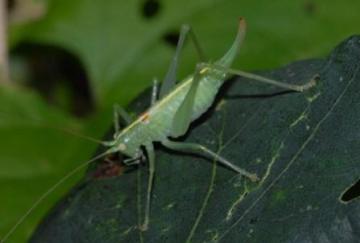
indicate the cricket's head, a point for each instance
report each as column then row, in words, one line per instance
column 123, row 144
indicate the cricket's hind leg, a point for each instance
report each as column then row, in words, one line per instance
column 181, row 123
column 295, row 87
column 202, row 150
column 182, row 117
column 170, row 78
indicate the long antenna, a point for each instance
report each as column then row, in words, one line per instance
column 43, row 196
column 39, row 122
column 91, row 139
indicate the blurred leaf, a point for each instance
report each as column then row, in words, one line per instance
column 35, row 143
column 122, row 50
column 304, row 146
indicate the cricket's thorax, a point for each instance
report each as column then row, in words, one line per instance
column 155, row 124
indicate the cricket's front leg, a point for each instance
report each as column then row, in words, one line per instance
column 151, row 158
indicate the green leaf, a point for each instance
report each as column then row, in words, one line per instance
column 33, row 153
column 122, row 50
column 304, row 146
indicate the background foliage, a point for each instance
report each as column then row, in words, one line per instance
column 121, row 50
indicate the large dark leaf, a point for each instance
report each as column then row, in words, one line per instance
column 304, row 146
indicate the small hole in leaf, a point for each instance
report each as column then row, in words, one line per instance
column 55, row 73
column 351, row 193
column 310, row 7
column 171, row 38
column 150, row 8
